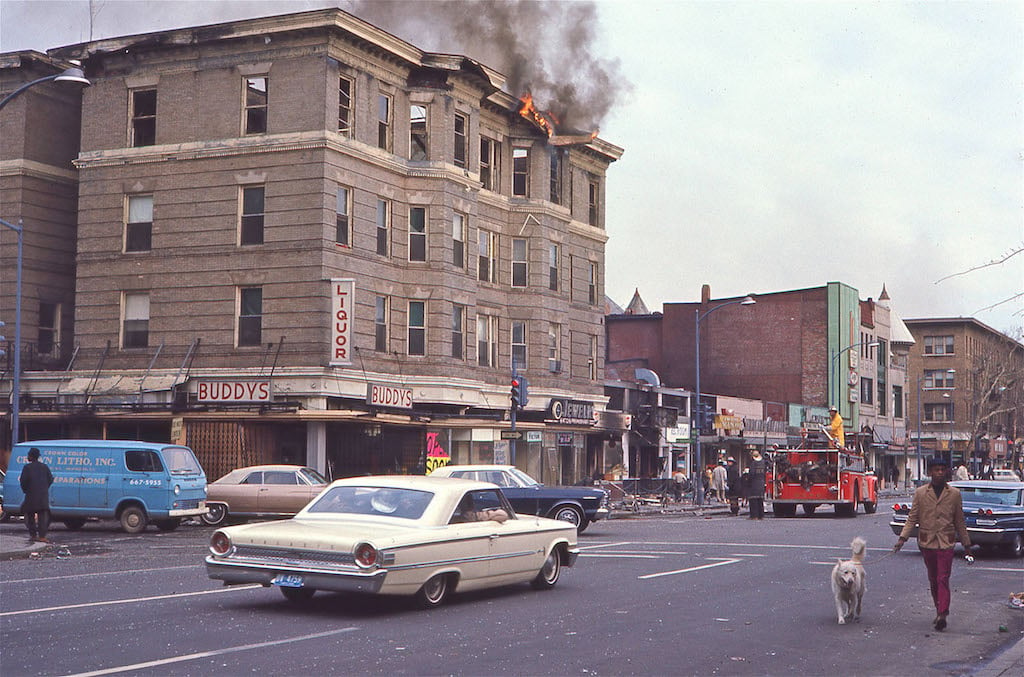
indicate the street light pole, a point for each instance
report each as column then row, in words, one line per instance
column 73, row 74
column 834, row 390
column 698, row 491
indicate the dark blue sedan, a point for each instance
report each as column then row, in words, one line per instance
column 578, row 505
column 993, row 510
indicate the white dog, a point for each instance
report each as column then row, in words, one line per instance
column 848, row 584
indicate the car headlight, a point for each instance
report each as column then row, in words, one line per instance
column 366, row 556
column 220, row 544
column 177, row 489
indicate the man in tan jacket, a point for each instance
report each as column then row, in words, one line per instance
column 938, row 514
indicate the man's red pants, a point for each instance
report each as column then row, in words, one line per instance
column 939, row 563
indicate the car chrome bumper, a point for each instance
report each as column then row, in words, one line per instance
column 990, row 535
column 235, row 573
column 185, row 512
column 571, row 555
column 600, row 514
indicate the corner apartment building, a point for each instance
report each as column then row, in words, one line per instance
column 967, row 392
column 797, row 352
column 302, row 239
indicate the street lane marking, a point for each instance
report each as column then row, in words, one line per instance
column 747, row 554
column 98, row 573
column 209, row 654
column 1016, row 571
column 623, row 555
column 697, row 568
column 605, row 545
column 128, row 601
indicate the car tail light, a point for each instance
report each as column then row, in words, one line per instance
column 220, row 543
column 366, row 555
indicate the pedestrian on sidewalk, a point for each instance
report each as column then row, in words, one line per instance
column 732, row 485
column 938, row 513
column 755, row 497
column 35, row 481
column 719, row 479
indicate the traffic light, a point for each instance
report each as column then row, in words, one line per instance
column 524, row 393
column 516, row 394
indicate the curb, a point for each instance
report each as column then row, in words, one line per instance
column 1009, row 662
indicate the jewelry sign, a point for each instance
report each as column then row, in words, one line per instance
column 342, row 306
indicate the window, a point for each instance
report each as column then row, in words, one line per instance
column 417, row 328
column 250, row 316
column 867, row 389
column 487, row 340
column 142, row 460
column 883, row 353
column 418, row 133
column 554, row 347
column 256, row 105
column 882, row 398
column 138, row 231
column 518, row 345
column 520, row 172
column 553, row 267
column 135, row 333
column 897, row 401
column 592, row 359
column 938, row 413
column 343, row 210
column 380, row 325
column 555, row 188
column 490, row 164
column 592, row 284
column 143, row 116
column 459, row 239
column 938, row 345
column 49, row 327
column 383, row 225
column 518, row 262
column 938, row 378
column 594, row 202
column 384, row 121
column 461, row 124
column 417, row 233
column 345, row 106
column 487, row 262
column 252, row 215
column 458, row 331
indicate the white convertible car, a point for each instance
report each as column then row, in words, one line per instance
column 396, row 535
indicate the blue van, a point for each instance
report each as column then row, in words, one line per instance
column 133, row 482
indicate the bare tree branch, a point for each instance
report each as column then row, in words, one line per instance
column 994, row 262
column 999, row 303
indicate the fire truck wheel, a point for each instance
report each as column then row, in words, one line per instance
column 869, row 507
column 784, row 509
column 809, row 508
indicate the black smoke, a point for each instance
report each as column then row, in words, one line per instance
column 545, row 47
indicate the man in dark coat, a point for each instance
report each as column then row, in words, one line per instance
column 732, row 485
column 755, row 497
column 36, row 479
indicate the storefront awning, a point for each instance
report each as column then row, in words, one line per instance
column 116, row 385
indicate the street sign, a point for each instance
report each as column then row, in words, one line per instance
column 511, row 434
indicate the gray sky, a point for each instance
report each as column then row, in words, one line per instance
column 769, row 145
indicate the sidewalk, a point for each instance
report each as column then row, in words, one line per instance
column 15, row 543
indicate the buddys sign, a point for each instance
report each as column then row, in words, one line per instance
column 342, row 307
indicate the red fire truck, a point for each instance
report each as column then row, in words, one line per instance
column 817, row 473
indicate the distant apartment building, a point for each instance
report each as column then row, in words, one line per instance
column 797, row 352
column 302, row 239
column 966, row 392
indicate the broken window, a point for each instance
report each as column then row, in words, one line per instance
column 49, row 327
column 461, row 125
column 520, row 172
column 487, row 261
column 345, row 122
column 490, row 163
column 143, row 115
column 255, row 105
column 418, row 133
column 556, row 176
column 486, row 340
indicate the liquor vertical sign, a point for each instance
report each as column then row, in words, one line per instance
column 342, row 309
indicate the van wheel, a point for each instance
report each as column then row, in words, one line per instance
column 168, row 524
column 5, row 516
column 74, row 523
column 133, row 519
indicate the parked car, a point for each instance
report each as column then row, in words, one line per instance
column 1005, row 475
column 261, row 491
column 577, row 505
column 136, row 483
column 993, row 510
column 396, row 535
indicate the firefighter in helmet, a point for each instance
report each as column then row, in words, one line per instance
column 835, row 428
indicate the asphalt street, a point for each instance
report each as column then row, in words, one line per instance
column 673, row 594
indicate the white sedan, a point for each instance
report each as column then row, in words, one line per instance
column 396, row 535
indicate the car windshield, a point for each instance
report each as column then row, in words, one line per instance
column 523, row 478
column 386, row 501
column 990, row 496
column 180, row 461
column 312, row 476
